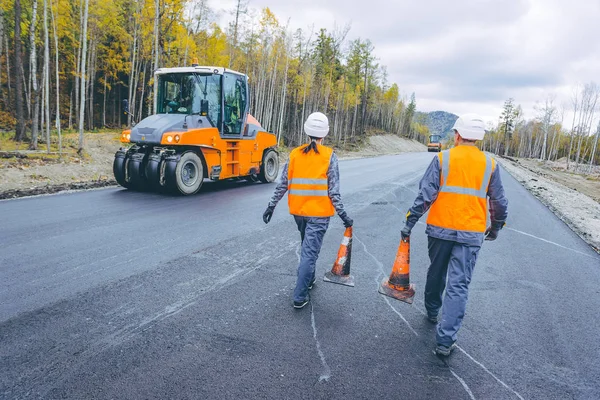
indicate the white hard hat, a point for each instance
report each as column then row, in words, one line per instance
column 316, row 125
column 470, row 127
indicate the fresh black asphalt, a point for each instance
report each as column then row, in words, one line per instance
column 115, row 294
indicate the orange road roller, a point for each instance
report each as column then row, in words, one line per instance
column 201, row 129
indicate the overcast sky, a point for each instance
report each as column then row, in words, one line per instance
column 465, row 55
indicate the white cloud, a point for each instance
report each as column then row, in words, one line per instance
column 466, row 55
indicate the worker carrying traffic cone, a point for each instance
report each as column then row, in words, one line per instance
column 340, row 272
column 312, row 180
column 398, row 284
column 456, row 189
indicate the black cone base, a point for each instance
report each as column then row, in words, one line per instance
column 402, row 295
column 347, row 280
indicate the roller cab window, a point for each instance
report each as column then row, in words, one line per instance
column 183, row 93
column 235, row 103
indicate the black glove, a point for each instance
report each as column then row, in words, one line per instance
column 348, row 222
column 405, row 232
column 268, row 214
column 491, row 233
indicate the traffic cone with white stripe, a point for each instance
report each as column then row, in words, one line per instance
column 340, row 272
column 398, row 284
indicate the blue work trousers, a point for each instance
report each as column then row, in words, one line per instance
column 455, row 262
column 312, row 230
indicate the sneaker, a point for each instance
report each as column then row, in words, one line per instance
column 311, row 284
column 300, row 304
column 441, row 350
column 433, row 319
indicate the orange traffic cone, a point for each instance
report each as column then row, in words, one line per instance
column 340, row 272
column 398, row 285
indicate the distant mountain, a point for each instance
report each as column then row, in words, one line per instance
column 439, row 122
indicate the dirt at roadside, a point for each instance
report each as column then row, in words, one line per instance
column 588, row 184
column 32, row 176
column 384, row 144
column 570, row 203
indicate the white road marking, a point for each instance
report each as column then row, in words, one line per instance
column 489, row 372
column 327, row 371
column 475, row 361
column 380, row 265
column 550, row 242
column 463, row 383
column 397, row 312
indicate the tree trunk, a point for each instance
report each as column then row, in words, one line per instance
column 238, row 11
column 156, row 32
column 47, row 74
column 1, row 50
column 104, row 104
column 132, row 77
column 33, row 79
column 83, row 60
column 91, row 87
column 283, row 98
column 78, row 66
column 57, row 83
column 143, row 76
column 20, row 127
column 593, row 155
column 9, row 97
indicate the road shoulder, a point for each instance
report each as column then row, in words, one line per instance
column 579, row 211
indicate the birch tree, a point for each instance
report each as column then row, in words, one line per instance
column 83, row 61
column 595, row 146
column 508, row 121
column 47, row 74
column 546, row 116
column 18, row 67
column 57, row 76
column 33, row 79
column 241, row 8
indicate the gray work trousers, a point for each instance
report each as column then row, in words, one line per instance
column 312, row 230
column 455, row 261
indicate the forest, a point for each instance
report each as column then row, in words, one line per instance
column 546, row 137
column 68, row 65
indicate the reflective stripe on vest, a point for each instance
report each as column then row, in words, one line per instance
column 461, row 204
column 308, row 194
column 481, row 192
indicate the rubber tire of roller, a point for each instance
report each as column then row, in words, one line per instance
column 268, row 175
column 194, row 162
column 119, row 165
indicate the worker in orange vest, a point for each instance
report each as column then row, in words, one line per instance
column 455, row 189
column 312, row 178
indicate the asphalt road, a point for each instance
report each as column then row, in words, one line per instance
column 113, row 294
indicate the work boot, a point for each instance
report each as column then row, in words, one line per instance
column 300, row 304
column 444, row 351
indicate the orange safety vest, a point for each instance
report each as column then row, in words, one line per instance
column 461, row 204
column 307, row 183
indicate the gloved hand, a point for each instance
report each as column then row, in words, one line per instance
column 348, row 222
column 268, row 214
column 491, row 233
column 405, row 232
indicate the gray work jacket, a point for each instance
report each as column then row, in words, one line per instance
column 429, row 188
